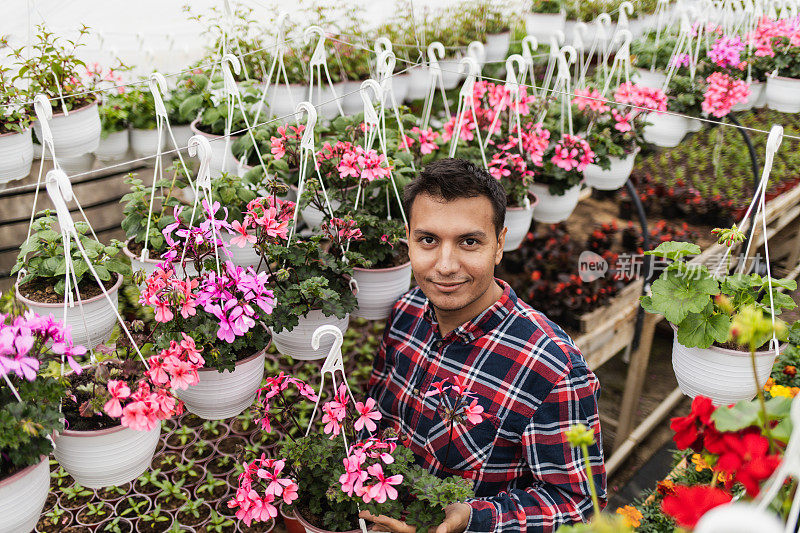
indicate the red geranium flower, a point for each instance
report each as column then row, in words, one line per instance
column 746, row 458
column 688, row 504
column 690, row 429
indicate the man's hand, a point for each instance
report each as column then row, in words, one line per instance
column 456, row 520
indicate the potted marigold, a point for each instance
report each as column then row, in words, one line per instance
column 222, row 309
column 51, row 67
column 16, row 145
column 42, row 285
column 29, row 413
column 325, row 482
column 706, row 357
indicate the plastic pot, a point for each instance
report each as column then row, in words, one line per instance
column 399, row 84
column 256, row 527
column 451, row 73
column 283, row 100
column 149, row 266
column 189, row 519
column 311, row 215
column 22, row 497
column 83, row 519
column 783, row 94
column 652, row 79
column 666, row 130
column 245, row 256
column 544, row 25
column 125, row 525
column 122, row 504
column 297, row 341
column 518, row 222
column 350, row 97
column 78, row 164
column 756, row 90
column 104, row 457
column 75, row 134
column 379, row 289
column 418, row 83
column 496, row 46
column 98, row 314
column 182, row 135
column 113, row 147
column 613, row 178
column 310, row 528
column 724, row 375
column 221, row 158
column 16, row 156
column 144, row 143
column 220, row 395
column 552, row 208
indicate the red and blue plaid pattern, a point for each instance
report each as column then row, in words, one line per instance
column 533, row 384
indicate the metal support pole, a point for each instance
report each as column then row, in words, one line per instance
column 756, row 174
column 646, row 261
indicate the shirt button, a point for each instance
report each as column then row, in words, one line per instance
column 416, row 392
column 437, row 344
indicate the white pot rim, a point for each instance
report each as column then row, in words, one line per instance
column 92, row 432
column 73, row 111
column 22, row 473
column 209, row 136
column 243, row 361
column 728, row 351
column 130, row 254
column 10, row 133
column 387, row 269
column 60, row 305
column 520, row 208
column 311, row 527
column 785, row 78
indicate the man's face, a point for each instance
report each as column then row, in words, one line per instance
column 453, row 249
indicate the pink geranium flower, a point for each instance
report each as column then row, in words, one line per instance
column 474, row 412
column 118, row 390
column 383, row 489
column 367, row 415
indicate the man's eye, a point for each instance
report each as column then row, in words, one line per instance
column 426, row 240
column 471, row 242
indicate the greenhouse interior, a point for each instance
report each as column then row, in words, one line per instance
column 564, row 297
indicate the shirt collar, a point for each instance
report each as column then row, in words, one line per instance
column 482, row 324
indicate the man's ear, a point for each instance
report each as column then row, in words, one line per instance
column 408, row 234
column 501, row 242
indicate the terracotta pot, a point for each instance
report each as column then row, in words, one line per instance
column 221, row 395
column 291, row 522
column 379, row 289
column 75, row 134
column 725, row 376
column 97, row 312
column 22, row 497
column 104, row 457
column 16, row 156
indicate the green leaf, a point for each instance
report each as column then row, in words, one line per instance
column 742, row 415
column 699, row 330
column 674, row 250
column 675, row 296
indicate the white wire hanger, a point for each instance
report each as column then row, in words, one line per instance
column 319, row 63
column 435, row 54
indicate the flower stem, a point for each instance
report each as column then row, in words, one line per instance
column 449, row 441
column 595, row 501
column 761, row 401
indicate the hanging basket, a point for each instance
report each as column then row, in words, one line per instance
column 244, row 257
column 652, row 79
column 613, row 178
column 553, row 208
column 114, row 147
column 75, row 134
column 783, row 94
column 451, row 73
column 418, row 81
column 221, row 395
column 78, row 164
column 400, row 85
column 350, row 97
column 150, row 265
column 100, row 318
column 544, row 25
column 106, row 457
column 756, row 92
column 379, row 289
column 16, row 156
column 665, row 130
column 296, row 342
column 496, row 46
column 311, row 215
column 283, row 100
column 518, row 221
column 724, row 375
column 22, row 497
column 144, row 143
column 218, row 151
column 182, row 135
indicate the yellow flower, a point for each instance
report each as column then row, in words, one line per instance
column 630, row 515
column 700, row 463
column 780, row 390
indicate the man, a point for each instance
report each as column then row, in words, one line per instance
column 525, row 372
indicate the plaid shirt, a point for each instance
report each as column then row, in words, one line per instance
column 533, row 384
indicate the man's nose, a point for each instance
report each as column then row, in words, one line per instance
column 447, row 261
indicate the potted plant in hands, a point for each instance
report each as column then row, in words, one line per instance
column 545, row 18
column 41, row 284
column 114, row 121
column 113, row 409
column 326, row 482
column 615, row 131
column 222, row 311
column 16, row 145
column 52, row 68
column 29, row 413
column 706, row 358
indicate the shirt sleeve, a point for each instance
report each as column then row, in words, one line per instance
column 559, row 493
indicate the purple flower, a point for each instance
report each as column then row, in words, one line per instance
column 726, row 51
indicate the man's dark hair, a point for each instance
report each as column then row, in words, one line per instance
column 452, row 178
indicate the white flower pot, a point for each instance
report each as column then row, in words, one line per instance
column 613, row 178
column 16, row 156
column 182, row 135
column 760, row 102
column 400, row 84
column 756, row 90
column 150, row 265
column 783, row 94
column 451, row 74
column 379, row 289
column 75, row 134
column 544, row 25
column 79, row 164
column 665, row 130
column 725, row 376
column 144, row 143
column 22, row 497
column 418, row 82
column 114, row 147
column 311, row 215
column 350, row 97
column 283, row 100
column 244, row 257
column 99, row 317
column 518, row 222
column 325, row 100
column 221, row 157
column 496, row 46
column 106, row 457
column 297, row 341
column 221, row 395
column 694, row 125
column 551, row 208
column 650, row 79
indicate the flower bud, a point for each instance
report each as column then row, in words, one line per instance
column 580, row 435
